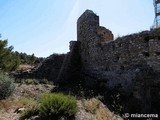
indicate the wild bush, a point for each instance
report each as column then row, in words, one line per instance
column 43, row 81
column 27, row 113
column 29, row 81
column 57, row 106
column 31, row 107
column 6, row 86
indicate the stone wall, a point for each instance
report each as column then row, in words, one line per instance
column 119, row 62
column 131, row 62
column 50, row 67
column 104, row 34
column 121, row 53
column 70, row 68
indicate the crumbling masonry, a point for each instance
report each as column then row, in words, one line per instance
column 131, row 62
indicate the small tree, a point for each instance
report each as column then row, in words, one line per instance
column 32, row 59
column 6, row 86
column 8, row 59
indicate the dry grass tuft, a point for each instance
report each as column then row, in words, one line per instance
column 8, row 104
column 102, row 113
column 99, row 110
column 24, row 66
column 91, row 105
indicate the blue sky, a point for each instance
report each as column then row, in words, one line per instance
column 44, row 27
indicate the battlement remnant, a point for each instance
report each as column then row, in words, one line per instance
column 88, row 26
column 105, row 34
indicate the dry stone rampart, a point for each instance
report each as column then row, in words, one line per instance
column 50, row 67
column 70, row 68
column 100, row 51
column 131, row 62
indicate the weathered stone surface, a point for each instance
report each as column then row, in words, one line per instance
column 115, row 55
column 50, row 68
column 119, row 62
column 131, row 62
column 105, row 34
column 71, row 66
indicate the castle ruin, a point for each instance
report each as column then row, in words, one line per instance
column 99, row 51
column 131, row 62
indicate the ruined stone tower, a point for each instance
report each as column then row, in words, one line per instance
column 90, row 35
column 156, row 4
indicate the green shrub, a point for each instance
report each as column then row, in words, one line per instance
column 32, row 107
column 43, row 81
column 6, row 86
column 36, row 82
column 57, row 106
column 31, row 111
column 29, row 81
column 27, row 101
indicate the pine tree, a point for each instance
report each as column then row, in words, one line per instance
column 8, row 59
